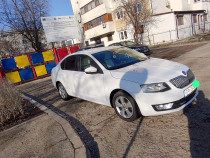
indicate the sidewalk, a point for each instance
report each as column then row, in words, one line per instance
column 47, row 135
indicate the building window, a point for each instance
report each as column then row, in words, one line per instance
column 109, row 37
column 12, row 35
column 195, row 18
column 205, row 17
column 138, row 7
column 93, row 5
column 24, row 41
column 123, row 35
column 119, row 15
column 96, row 22
column 180, row 19
column 82, row 10
column 90, row 6
column 87, row 43
column 98, row 40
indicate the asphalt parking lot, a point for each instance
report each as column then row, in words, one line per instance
column 181, row 134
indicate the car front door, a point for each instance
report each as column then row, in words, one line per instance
column 89, row 86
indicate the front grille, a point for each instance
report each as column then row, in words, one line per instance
column 183, row 81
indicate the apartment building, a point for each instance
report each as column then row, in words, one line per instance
column 101, row 21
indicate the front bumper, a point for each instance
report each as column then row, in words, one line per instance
column 177, row 104
column 146, row 101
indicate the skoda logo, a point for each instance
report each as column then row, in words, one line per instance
column 185, row 73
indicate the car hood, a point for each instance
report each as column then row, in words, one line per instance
column 153, row 70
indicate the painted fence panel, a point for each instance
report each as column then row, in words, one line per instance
column 30, row 66
column 62, row 52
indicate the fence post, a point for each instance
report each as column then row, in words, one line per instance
column 32, row 67
column 2, row 76
column 56, row 55
column 170, row 35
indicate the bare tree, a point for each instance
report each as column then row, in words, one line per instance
column 6, row 48
column 137, row 13
column 23, row 17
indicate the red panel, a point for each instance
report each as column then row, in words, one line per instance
column 62, row 52
column 73, row 48
column 1, row 73
column 32, row 67
column 56, row 56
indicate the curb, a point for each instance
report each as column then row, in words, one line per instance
column 79, row 148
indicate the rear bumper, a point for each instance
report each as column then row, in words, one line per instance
column 148, row 53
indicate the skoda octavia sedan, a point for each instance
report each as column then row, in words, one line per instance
column 126, row 80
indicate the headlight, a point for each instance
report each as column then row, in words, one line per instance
column 155, row 87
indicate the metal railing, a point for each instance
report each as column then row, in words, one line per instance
column 174, row 35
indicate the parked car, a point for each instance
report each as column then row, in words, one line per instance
column 140, row 48
column 126, row 80
column 84, row 48
column 89, row 47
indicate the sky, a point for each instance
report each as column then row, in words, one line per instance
column 60, row 8
column 57, row 8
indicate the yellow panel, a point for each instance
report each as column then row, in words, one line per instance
column 22, row 61
column 48, row 56
column 40, row 70
column 13, row 76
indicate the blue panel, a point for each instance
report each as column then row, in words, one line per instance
column 26, row 74
column 50, row 66
column 8, row 64
column 37, row 58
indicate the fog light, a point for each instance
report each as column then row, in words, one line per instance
column 163, row 107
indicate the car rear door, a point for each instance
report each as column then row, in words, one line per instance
column 68, row 71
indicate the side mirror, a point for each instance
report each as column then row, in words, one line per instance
column 91, row 70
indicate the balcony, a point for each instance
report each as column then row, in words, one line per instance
column 100, row 30
column 201, row 5
column 94, row 13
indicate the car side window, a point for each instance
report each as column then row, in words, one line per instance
column 63, row 64
column 85, row 61
column 69, row 63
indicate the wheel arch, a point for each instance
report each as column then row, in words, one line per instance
column 57, row 82
column 114, row 92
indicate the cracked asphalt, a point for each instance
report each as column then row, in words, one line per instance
column 181, row 134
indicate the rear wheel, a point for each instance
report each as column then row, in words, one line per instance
column 125, row 106
column 62, row 92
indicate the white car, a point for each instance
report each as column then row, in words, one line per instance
column 126, row 80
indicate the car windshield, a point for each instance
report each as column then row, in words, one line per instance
column 128, row 43
column 119, row 58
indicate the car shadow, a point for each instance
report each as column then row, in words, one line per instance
column 198, row 115
column 92, row 150
column 133, row 138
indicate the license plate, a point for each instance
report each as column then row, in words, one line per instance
column 189, row 90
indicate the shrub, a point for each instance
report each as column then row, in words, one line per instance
column 10, row 102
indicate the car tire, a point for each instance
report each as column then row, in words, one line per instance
column 62, row 92
column 125, row 106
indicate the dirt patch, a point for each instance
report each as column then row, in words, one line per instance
column 174, row 52
column 30, row 111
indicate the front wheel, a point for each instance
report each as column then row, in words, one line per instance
column 125, row 106
column 62, row 92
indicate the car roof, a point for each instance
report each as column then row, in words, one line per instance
column 96, row 50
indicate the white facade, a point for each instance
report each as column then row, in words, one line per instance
column 173, row 21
